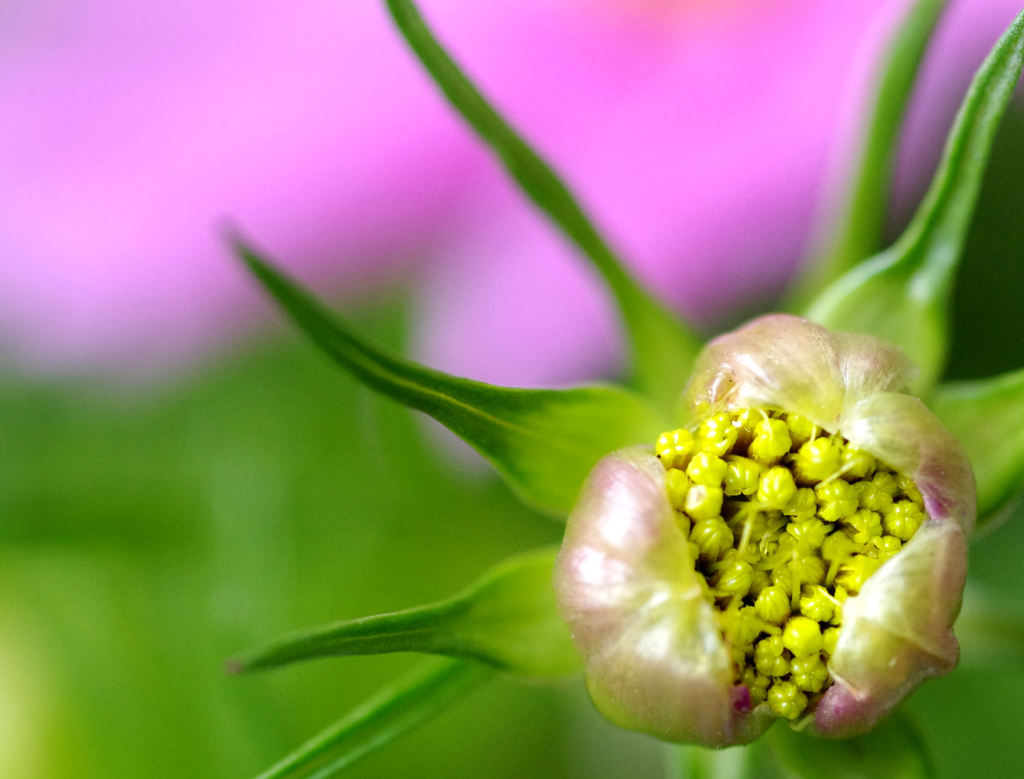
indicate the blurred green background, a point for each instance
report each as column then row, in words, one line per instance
column 147, row 536
column 148, row 533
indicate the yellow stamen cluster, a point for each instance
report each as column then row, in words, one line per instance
column 784, row 522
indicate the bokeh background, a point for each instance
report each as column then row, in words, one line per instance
column 182, row 477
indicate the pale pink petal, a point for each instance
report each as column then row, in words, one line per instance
column 897, row 631
column 788, row 363
column 627, row 588
column 901, row 431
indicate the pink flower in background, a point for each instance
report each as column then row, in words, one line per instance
column 698, row 135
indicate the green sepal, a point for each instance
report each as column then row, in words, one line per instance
column 894, row 748
column 856, row 224
column 508, row 620
column 381, row 719
column 543, row 442
column 753, row 761
column 663, row 349
column 902, row 295
column 987, row 417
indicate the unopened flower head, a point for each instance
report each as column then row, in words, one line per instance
column 796, row 551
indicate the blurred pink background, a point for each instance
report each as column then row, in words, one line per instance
column 700, row 135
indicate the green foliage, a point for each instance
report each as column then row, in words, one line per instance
column 544, row 442
column 986, row 338
column 661, row 348
column 507, row 620
column 857, row 224
column 380, row 720
column 987, row 417
column 902, row 295
column 149, row 533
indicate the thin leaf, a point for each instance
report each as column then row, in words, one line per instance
column 508, row 620
column 662, row 348
column 543, row 442
column 384, row 717
column 855, row 230
column 991, row 632
column 987, row 417
column 902, row 295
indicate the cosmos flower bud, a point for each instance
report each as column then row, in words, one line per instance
column 822, row 596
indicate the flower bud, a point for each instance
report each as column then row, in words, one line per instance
column 824, row 595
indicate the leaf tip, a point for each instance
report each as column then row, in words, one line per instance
column 232, row 236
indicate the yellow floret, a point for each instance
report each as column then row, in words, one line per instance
column 703, row 502
column 801, row 429
column 829, row 639
column 817, row 460
column 837, row 499
column 887, row 546
column 903, row 519
column 802, row 636
column 816, row 603
column 742, row 626
column 873, row 497
column 809, row 533
column 712, row 537
column 756, row 683
column 675, row 448
column 734, row 578
column 886, row 481
column 742, row 475
column 707, row 469
column 717, row 434
column 803, row 569
column 678, row 485
column 866, row 525
column 908, row 488
column 783, row 522
column 855, row 463
column 804, row 504
column 771, row 441
column 776, row 488
column 786, row 700
column 769, row 657
column 772, row 604
column 759, row 582
column 809, row 673
column 856, row 571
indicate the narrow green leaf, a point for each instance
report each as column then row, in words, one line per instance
column 508, row 620
column 384, row 717
column 893, row 749
column 902, row 295
column 543, row 442
column 991, row 632
column 662, row 348
column 855, row 231
column 987, row 417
